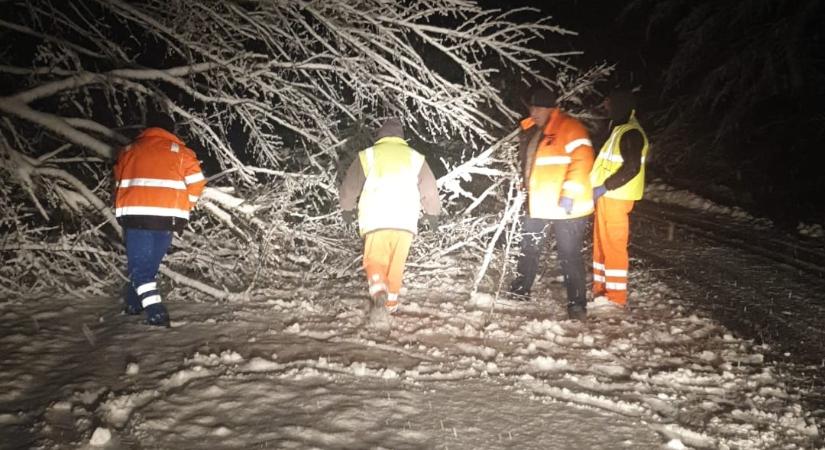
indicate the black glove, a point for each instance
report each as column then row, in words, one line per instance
column 349, row 217
column 433, row 221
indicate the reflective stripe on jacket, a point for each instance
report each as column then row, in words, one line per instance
column 158, row 179
column 610, row 160
column 561, row 167
column 390, row 198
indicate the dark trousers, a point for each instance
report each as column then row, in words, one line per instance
column 569, row 235
column 144, row 251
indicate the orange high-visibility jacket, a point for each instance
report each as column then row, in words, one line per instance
column 159, row 180
column 560, row 167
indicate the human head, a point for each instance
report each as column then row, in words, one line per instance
column 391, row 127
column 542, row 102
column 160, row 119
column 619, row 104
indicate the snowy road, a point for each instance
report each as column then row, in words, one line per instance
column 765, row 285
column 454, row 372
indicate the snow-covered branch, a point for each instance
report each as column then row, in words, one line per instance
column 270, row 95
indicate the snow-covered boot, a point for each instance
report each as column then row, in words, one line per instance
column 157, row 315
column 132, row 310
column 378, row 312
column 602, row 306
column 391, row 306
column 518, row 296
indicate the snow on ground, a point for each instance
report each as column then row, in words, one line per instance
column 451, row 372
column 815, row 231
column 659, row 192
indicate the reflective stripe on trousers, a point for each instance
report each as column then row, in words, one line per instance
column 385, row 255
column 145, row 250
column 611, row 231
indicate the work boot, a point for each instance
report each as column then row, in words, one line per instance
column 518, row 295
column 132, row 309
column 132, row 306
column 378, row 312
column 378, row 301
column 391, row 306
column 603, row 307
column 157, row 315
column 518, row 291
column 577, row 313
column 602, row 302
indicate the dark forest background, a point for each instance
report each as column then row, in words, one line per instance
column 731, row 91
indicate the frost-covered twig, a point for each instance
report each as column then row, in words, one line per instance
column 510, row 214
column 268, row 94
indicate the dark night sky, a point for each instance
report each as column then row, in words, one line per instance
column 603, row 37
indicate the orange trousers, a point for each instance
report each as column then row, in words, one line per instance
column 385, row 255
column 611, row 231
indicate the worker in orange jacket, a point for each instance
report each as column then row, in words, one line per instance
column 391, row 183
column 158, row 181
column 556, row 156
column 618, row 177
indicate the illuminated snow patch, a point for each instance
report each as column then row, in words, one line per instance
column 100, row 437
column 116, row 411
column 258, row 364
column 548, row 364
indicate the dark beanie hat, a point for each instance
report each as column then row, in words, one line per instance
column 543, row 97
column 392, row 127
column 622, row 102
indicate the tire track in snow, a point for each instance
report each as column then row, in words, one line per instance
column 742, row 278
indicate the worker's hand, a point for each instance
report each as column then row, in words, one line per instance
column 433, row 221
column 349, row 217
column 598, row 191
column 566, row 203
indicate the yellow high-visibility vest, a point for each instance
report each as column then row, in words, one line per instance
column 390, row 198
column 609, row 160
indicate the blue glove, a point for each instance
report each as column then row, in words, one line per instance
column 566, row 203
column 598, row 191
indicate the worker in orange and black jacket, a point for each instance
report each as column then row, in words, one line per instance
column 618, row 179
column 158, row 181
column 556, row 156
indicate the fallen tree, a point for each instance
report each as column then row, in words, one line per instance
column 273, row 96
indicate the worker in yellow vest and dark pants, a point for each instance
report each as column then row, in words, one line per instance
column 618, row 177
column 394, row 183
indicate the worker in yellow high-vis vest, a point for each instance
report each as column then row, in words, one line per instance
column 394, row 183
column 618, row 179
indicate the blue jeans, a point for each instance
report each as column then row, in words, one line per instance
column 144, row 251
column 569, row 235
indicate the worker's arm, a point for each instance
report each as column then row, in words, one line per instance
column 352, row 185
column 428, row 189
